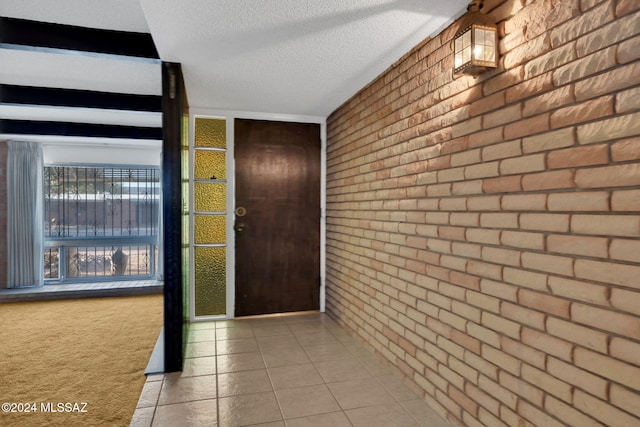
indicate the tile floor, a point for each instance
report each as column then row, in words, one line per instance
column 280, row 371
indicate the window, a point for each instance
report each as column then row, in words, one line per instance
column 100, row 222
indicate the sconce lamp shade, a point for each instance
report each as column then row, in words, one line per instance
column 475, row 44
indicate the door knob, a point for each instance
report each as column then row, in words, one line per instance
column 239, row 227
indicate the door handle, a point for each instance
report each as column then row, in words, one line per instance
column 239, row 227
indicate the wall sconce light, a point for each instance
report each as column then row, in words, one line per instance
column 475, row 44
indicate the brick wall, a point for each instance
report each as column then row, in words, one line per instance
column 483, row 234
column 3, row 214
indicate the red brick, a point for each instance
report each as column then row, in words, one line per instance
column 625, row 399
column 625, row 350
column 625, row 200
column 549, row 101
column 488, row 103
column 579, row 245
column 626, row 300
column 546, row 382
column 549, row 140
column 626, row 250
column 609, row 129
column 607, row 367
column 500, row 117
column 604, row 412
column 608, row 272
column 502, row 151
column 606, row 320
column 502, row 184
column 568, row 414
column 627, row 101
column 547, row 344
column 521, row 388
column 574, row 333
column 465, row 402
column 579, row 290
column 548, row 263
column 523, row 315
column 550, row 60
column 584, row 67
column 545, row 303
column 526, row 127
column 626, row 150
column 578, row 377
column 628, row 51
column 589, row 201
column 548, row 180
column 530, row 87
column 608, row 82
column 606, row 225
column 523, row 352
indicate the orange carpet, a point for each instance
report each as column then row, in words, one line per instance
column 75, row 362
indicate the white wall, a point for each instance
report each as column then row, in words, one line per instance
column 103, row 154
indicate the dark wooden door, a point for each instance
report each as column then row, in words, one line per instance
column 277, row 217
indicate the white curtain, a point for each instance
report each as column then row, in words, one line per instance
column 25, row 214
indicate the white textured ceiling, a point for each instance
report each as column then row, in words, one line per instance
column 288, row 56
column 295, row 57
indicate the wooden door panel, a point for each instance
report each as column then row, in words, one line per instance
column 278, row 247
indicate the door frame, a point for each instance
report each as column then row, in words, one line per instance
column 230, row 117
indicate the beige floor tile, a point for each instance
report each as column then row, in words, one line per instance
column 202, row 325
column 285, row 357
column 272, row 424
column 241, row 345
column 265, row 322
column 150, row 394
column 316, row 338
column 238, row 323
column 333, row 419
column 155, row 377
column 399, row 390
column 200, row 349
column 176, row 390
column 234, row 333
column 377, row 368
column 301, row 328
column 240, row 362
column 142, row 417
column 199, row 366
column 380, row 416
column 245, row 382
column 359, row 393
column 198, row 335
column 321, row 375
column 277, row 342
column 423, row 414
column 305, row 401
column 293, row 376
column 341, row 370
column 269, row 331
column 187, row 414
column 248, row 409
column 324, row 352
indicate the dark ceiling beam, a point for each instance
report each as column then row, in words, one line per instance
column 29, row 127
column 29, row 95
column 43, row 34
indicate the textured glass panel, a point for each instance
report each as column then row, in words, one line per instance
column 210, row 229
column 210, row 197
column 211, row 133
column 185, row 130
column 210, row 281
column 210, row 165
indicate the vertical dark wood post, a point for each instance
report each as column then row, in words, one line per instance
column 173, row 103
